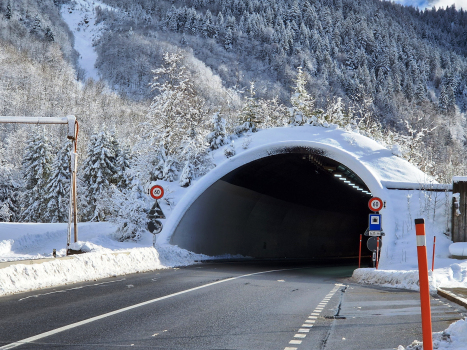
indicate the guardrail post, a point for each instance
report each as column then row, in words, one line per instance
column 424, row 284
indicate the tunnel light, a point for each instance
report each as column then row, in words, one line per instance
column 337, row 175
column 347, row 181
column 343, row 179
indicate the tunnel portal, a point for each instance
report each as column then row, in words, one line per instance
column 298, row 205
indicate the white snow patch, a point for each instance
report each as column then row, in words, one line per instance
column 80, row 16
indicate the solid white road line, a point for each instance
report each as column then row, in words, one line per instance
column 96, row 318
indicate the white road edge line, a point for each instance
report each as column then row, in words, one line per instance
column 108, row 314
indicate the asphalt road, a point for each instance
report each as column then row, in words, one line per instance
column 219, row 306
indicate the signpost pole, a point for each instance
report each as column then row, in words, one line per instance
column 424, row 284
column 377, row 252
column 433, row 260
column 360, row 251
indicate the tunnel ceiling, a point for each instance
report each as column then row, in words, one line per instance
column 305, row 179
column 291, row 205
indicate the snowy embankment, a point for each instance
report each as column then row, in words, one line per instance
column 80, row 16
column 106, row 257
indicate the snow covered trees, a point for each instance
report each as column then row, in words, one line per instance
column 36, row 171
column 100, row 169
column 57, row 191
column 177, row 119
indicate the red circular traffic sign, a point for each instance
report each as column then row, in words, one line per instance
column 156, row 192
column 375, row 204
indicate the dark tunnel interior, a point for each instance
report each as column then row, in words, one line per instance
column 293, row 205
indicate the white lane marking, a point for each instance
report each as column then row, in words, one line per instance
column 295, row 342
column 303, row 330
column 313, row 317
column 307, row 325
column 310, row 321
column 315, row 314
column 96, row 318
column 300, row 335
column 289, row 348
column 74, row 288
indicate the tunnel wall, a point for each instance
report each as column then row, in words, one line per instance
column 253, row 224
column 183, row 230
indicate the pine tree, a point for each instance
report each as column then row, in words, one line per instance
column 217, row 137
column 36, row 171
column 9, row 194
column 8, row 10
column 302, row 102
column 131, row 210
column 49, row 36
column 98, row 172
column 57, row 191
column 249, row 115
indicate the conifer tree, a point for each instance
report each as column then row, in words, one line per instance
column 57, row 191
column 302, row 101
column 36, row 171
column 217, row 137
column 98, row 171
column 249, row 115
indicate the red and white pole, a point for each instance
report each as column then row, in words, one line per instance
column 360, row 252
column 433, row 260
column 424, row 284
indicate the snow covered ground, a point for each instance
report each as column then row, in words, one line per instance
column 80, row 15
column 106, row 257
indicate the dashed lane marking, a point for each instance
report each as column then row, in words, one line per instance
column 312, row 318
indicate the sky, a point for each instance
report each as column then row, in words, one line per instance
column 422, row 4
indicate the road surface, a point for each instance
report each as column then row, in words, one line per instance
column 219, row 306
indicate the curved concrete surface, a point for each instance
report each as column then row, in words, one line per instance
column 282, row 206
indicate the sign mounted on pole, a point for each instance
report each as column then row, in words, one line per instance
column 375, row 204
column 156, row 192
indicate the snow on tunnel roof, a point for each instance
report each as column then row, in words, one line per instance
column 371, row 161
column 384, row 165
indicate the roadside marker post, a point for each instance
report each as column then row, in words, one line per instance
column 360, row 251
column 377, row 252
column 424, row 284
column 433, row 259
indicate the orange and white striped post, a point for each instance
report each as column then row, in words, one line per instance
column 424, row 284
column 360, row 251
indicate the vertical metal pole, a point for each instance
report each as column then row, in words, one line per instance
column 75, row 202
column 377, row 252
column 360, row 252
column 433, row 260
column 424, row 284
column 70, row 211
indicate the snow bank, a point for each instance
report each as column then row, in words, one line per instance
column 453, row 338
column 452, row 276
column 91, row 266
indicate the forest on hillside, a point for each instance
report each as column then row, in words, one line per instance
column 201, row 73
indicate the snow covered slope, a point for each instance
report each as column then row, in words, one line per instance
column 80, row 15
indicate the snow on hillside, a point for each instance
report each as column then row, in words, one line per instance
column 80, row 16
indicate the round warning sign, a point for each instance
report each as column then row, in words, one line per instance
column 375, row 204
column 156, row 192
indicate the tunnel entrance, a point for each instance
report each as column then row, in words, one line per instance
column 299, row 205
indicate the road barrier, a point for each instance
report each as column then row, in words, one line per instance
column 424, row 284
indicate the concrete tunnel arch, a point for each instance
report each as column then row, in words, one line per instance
column 200, row 224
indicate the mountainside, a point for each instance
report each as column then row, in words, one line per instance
column 162, row 83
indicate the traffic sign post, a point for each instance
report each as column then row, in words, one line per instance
column 374, row 244
column 154, row 225
column 156, row 192
column 375, row 204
